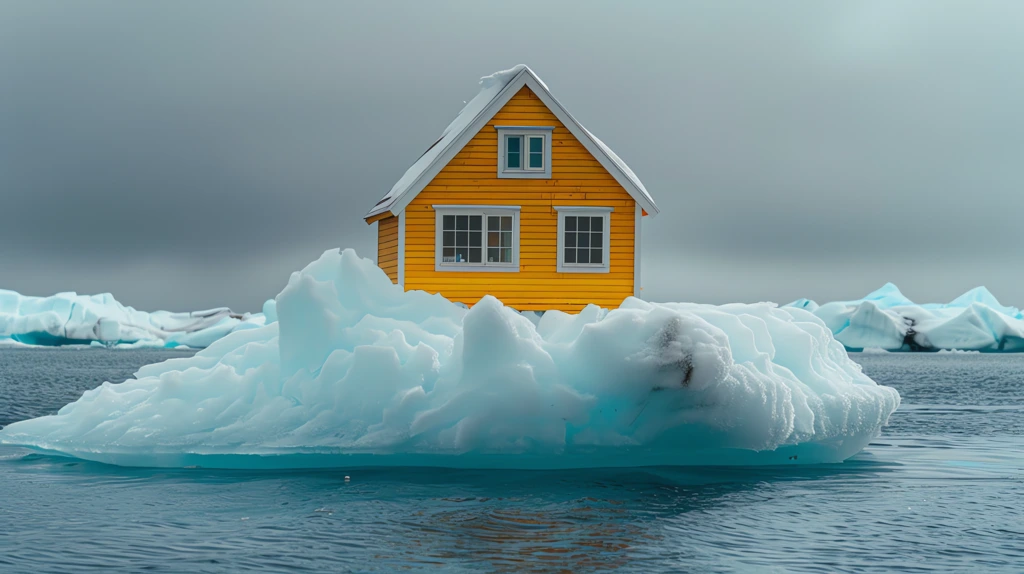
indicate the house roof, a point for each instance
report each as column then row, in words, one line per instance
column 495, row 91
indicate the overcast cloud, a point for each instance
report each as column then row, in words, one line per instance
column 191, row 154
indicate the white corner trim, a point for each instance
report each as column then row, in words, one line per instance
column 606, row 236
column 401, row 249
column 637, row 235
column 484, row 210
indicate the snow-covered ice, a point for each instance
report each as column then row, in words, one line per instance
column 356, row 372
column 886, row 319
column 73, row 319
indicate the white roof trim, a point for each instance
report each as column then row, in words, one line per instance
column 433, row 161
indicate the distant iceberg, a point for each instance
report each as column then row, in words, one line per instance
column 352, row 371
column 73, row 319
column 886, row 319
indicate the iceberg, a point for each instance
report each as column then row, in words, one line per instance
column 73, row 319
column 886, row 319
column 352, row 371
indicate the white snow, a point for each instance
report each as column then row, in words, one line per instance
column 888, row 320
column 70, row 318
column 356, row 372
column 491, row 87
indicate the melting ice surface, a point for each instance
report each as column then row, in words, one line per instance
column 352, row 371
column 886, row 319
column 70, row 318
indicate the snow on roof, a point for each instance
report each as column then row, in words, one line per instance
column 495, row 90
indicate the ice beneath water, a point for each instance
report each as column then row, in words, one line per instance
column 70, row 318
column 356, row 372
column 886, row 319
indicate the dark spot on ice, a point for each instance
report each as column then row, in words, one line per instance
column 792, row 457
column 671, row 354
column 908, row 337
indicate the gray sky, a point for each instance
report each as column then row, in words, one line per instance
column 192, row 154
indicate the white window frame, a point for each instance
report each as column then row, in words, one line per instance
column 525, row 132
column 585, row 211
column 483, row 210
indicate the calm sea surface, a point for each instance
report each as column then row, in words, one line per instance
column 941, row 491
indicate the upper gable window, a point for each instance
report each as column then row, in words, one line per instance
column 524, row 151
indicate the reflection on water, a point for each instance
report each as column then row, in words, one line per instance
column 940, row 490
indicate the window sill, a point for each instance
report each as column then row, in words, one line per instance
column 448, row 268
column 523, row 174
column 582, row 269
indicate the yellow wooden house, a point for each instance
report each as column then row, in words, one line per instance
column 518, row 200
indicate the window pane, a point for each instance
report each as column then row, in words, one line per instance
column 506, row 224
column 475, row 222
column 493, row 255
column 536, row 152
column 570, row 239
column 461, row 222
column 596, row 223
column 583, row 240
column 449, row 222
column 475, row 237
column 513, row 151
column 583, row 256
column 493, row 223
column 448, row 255
column 584, row 224
column 506, row 239
column 461, row 238
column 474, row 255
column 461, row 254
column 595, row 256
column 492, row 238
column 570, row 256
column 506, row 255
column 449, row 239
column 570, row 223
column 597, row 240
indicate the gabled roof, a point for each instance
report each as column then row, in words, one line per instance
column 495, row 91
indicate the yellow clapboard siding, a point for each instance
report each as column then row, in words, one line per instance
column 551, row 184
column 479, row 177
column 491, row 163
column 558, row 169
column 387, row 246
column 533, row 290
column 569, row 305
column 578, row 179
column 573, row 280
column 572, row 295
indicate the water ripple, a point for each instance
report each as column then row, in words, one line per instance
column 938, row 492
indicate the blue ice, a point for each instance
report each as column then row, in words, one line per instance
column 356, row 372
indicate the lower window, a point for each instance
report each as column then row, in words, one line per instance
column 583, row 239
column 474, row 239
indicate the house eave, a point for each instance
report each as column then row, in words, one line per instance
column 372, row 218
column 525, row 77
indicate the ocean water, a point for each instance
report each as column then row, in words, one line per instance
column 942, row 490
